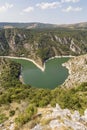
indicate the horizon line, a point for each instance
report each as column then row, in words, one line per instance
column 44, row 22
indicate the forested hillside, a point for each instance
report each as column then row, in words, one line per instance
column 42, row 44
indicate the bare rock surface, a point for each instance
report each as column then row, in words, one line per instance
column 77, row 67
column 62, row 119
column 53, row 119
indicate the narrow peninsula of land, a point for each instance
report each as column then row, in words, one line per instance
column 42, row 68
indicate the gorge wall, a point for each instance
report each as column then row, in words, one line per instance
column 41, row 45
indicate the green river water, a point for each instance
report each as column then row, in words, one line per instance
column 54, row 74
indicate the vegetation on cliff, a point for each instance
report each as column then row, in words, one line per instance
column 42, row 44
column 13, row 91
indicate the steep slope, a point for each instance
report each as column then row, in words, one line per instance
column 77, row 67
column 40, row 45
column 20, row 105
column 9, row 73
column 55, row 118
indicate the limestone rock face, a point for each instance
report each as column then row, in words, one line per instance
column 77, row 67
column 53, row 118
column 62, row 119
column 85, row 114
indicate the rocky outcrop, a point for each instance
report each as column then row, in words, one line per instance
column 77, row 67
column 61, row 119
column 52, row 118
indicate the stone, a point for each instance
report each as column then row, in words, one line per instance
column 85, row 114
column 37, row 127
column 84, row 117
column 55, row 124
column 66, row 112
column 75, row 116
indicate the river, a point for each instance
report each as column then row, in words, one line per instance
column 53, row 75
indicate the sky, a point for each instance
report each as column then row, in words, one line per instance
column 44, row 11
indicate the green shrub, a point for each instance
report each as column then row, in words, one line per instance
column 3, row 118
column 24, row 118
column 12, row 113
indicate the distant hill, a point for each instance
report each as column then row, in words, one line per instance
column 37, row 25
column 26, row 25
column 74, row 26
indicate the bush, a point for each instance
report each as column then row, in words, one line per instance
column 12, row 113
column 24, row 118
column 3, row 118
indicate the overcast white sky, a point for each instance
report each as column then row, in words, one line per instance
column 46, row 11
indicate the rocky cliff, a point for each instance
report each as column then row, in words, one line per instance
column 77, row 67
column 61, row 119
column 52, row 118
column 40, row 45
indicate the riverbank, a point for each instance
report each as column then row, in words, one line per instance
column 68, row 56
column 23, row 58
column 42, row 68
